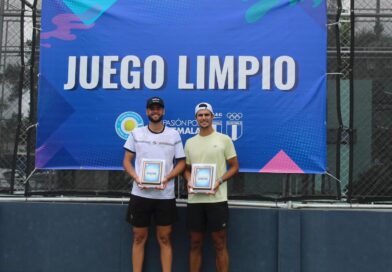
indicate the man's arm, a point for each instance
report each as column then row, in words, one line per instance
column 233, row 169
column 187, row 177
column 178, row 169
column 180, row 166
column 127, row 163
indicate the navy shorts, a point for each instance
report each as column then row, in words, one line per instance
column 141, row 210
column 211, row 217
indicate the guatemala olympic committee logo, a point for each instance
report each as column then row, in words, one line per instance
column 126, row 122
column 234, row 127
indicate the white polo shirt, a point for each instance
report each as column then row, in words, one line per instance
column 147, row 144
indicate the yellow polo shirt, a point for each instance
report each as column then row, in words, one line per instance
column 215, row 148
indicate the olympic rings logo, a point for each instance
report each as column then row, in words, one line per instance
column 234, row 115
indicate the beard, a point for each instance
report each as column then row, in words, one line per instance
column 155, row 121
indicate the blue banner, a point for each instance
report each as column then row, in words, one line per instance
column 261, row 64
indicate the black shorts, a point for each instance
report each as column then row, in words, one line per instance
column 207, row 216
column 141, row 209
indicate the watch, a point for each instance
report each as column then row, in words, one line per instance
column 220, row 180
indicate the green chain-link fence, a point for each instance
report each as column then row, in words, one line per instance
column 359, row 106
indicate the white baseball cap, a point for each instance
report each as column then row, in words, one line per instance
column 204, row 106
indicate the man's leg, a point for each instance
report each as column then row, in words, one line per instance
column 164, row 240
column 219, row 239
column 139, row 241
column 196, row 251
column 165, row 215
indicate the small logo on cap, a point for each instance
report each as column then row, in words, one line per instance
column 155, row 100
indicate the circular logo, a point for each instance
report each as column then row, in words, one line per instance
column 126, row 122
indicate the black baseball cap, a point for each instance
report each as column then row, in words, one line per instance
column 155, row 101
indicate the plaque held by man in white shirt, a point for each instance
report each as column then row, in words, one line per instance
column 152, row 172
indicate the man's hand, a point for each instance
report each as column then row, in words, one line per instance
column 139, row 183
column 190, row 188
column 165, row 181
column 218, row 183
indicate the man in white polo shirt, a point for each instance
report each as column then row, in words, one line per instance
column 155, row 142
column 209, row 211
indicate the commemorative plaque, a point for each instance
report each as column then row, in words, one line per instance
column 203, row 177
column 152, row 172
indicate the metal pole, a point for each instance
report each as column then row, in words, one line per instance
column 338, row 90
column 33, row 108
column 1, row 66
column 351, row 126
column 20, row 93
column 378, row 26
column 24, row 2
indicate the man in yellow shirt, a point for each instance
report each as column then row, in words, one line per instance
column 209, row 211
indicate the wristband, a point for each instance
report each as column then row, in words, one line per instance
column 220, row 180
